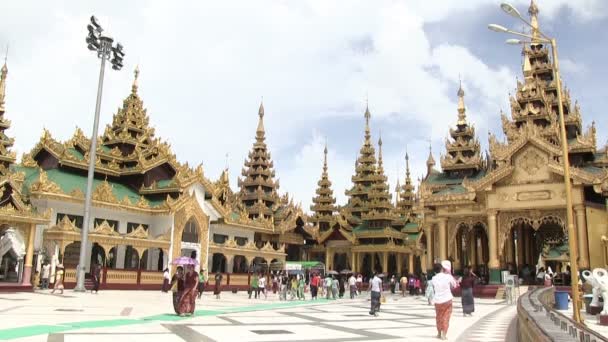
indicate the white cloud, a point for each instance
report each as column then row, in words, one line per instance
column 205, row 65
column 569, row 66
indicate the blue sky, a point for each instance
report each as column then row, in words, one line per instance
column 206, row 65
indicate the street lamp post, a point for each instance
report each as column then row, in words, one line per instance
column 539, row 37
column 102, row 44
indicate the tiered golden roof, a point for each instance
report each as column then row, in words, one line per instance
column 14, row 207
column 258, row 188
column 380, row 209
column 365, row 176
column 7, row 157
column 535, row 102
column 463, row 151
column 128, row 154
column 323, row 207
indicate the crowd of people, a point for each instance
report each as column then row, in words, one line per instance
column 187, row 285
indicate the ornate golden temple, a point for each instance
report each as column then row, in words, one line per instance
column 497, row 210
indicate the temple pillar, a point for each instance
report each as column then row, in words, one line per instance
column 510, row 247
column 29, row 256
column 410, row 261
column 520, row 248
column 473, row 250
column 373, row 261
column 385, row 262
column 399, row 258
column 524, row 246
column 583, row 243
column 328, row 257
column 353, row 261
column 443, row 239
column 493, row 264
column 229, row 263
column 428, row 232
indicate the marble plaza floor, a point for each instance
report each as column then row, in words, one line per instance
column 148, row 316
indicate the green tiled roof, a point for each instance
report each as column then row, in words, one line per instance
column 76, row 153
column 365, row 227
column 69, row 181
column 165, row 183
column 592, row 169
column 362, row 227
column 443, row 178
column 452, row 189
column 413, row 237
column 410, row 227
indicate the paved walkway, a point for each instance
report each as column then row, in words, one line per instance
column 147, row 316
column 492, row 328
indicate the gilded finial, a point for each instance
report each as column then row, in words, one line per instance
column 325, row 157
column 260, row 129
column 380, row 152
column 527, row 67
column 261, row 109
column 136, row 74
column 367, row 116
column 3, row 74
column 430, row 162
column 5, row 58
column 533, row 11
column 461, row 108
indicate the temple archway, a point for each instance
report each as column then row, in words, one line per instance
column 111, row 259
column 531, row 245
column 218, row 263
column 392, row 265
column 240, row 264
column 131, row 258
column 340, row 261
column 71, row 255
column 366, row 265
column 98, row 255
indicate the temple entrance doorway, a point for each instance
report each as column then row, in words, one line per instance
column 98, row 255
column 472, row 249
column 340, row 262
column 218, row 263
column 530, row 245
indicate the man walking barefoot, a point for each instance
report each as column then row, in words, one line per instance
column 375, row 286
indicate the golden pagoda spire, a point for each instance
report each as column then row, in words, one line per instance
column 259, row 133
column 365, row 174
column 405, row 203
column 258, row 187
column 323, row 206
column 6, row 156
column 533, row 11
column 461, row 109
